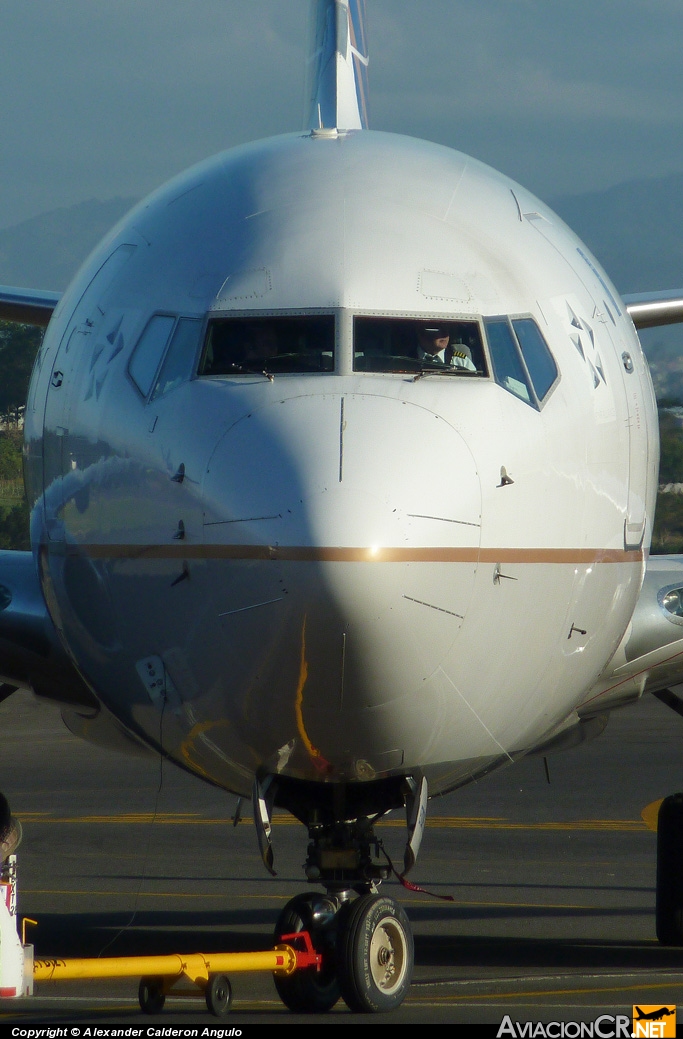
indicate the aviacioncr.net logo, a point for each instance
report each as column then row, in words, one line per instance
column 607, row 1026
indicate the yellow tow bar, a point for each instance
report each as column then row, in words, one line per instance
column 205, row 971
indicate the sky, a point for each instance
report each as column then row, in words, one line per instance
column 107, row 98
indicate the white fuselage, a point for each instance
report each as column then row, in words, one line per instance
column 340, row 585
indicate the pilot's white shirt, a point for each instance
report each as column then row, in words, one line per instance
column 458, row 360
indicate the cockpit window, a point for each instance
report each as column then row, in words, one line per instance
column 180, row 357
column 507, row 364
column 149, row 350
column 274, row 345
column 539, row 360
column 522, row 362
column 168, row 345
column 383, row 344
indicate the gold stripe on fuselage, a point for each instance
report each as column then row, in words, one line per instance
column 305, row 554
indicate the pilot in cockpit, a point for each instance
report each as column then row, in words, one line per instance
column 432, row 344
column 263, row 344
column 435, row 347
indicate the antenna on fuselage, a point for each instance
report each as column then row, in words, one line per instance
column 337, row 69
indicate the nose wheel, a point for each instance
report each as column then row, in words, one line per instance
column 375, row 954
column 310, row 991
column 367, row 948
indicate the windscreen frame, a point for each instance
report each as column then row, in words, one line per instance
column 251, row 368
column 535, row 402
column 412, row 321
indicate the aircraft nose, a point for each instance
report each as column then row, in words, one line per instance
column 360, row 517
column 355, row 471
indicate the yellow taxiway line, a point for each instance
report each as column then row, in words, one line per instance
column 434, row 823
column 177, row 895
column 538, row 993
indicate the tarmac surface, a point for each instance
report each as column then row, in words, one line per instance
column 553, row 884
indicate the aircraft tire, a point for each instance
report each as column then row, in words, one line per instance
column 669, row 912
column 307, row 991
column 5, row 815
column 218, row 995
column 375, row 954
column 10, row 830
column 151, row 995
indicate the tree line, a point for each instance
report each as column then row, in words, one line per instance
column 19, row 345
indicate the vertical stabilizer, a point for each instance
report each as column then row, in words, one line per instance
column 337, row 82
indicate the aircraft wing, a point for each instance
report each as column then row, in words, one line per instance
column 650, row 656
column 27, row 306
column 650, row 309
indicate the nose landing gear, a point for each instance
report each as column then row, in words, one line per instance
column 366, row 942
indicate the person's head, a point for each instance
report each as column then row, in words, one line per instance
column 263, row 341
column 433, row 339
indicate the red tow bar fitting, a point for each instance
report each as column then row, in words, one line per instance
column 306, row 957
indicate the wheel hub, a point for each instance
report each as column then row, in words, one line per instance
column 388, row 956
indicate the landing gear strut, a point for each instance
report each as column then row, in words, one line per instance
column 365, row 941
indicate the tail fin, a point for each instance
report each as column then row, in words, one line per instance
column 337, row 82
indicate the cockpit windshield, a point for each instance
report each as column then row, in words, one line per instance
column 383, row 344
column 268, row 345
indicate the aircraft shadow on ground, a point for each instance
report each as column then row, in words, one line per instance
column 160, row 932
column 449, row 912
column 549, row 954
column 146, row 933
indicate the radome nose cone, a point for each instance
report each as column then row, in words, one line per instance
column 369, row 511
column 379, row 492
column 357, row 471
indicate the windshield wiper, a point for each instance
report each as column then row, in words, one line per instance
column 443, row 369
column 253, row 371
